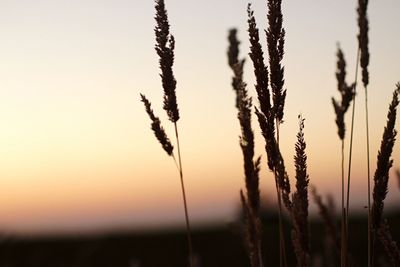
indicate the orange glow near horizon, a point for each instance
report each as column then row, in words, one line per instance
column 76, row 149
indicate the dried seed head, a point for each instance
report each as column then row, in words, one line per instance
column 384, row 163
column 165, row 45
column 233, row 49
column 363, row 39
column 236, row 65
column 244, row 106
column 300, row 233
column 346, row 92
column 157, row 128
column 260, row 70
column 275, row 42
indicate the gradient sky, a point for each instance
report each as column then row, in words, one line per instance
column 77, row 152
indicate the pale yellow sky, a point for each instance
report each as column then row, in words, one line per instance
column 77, row 149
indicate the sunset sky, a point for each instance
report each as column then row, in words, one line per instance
column 76, row 149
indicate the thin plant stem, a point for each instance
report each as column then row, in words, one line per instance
column 371, row 241
column 351, row 150
column 372, row 250
column 343, row 231
column 351, row 137
column 282, row 249
column 369, row 176
column 282, row 245
column 176, row 163
column 344, row 256
column 188, row 231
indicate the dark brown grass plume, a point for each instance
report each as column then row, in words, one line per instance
column 384, row 163
column 157, row 128
column 363, row 39
column 275, row 43
column 266, row 114
column 347, row 95
column 165, row 45
column 260, row 70
column 346, row 92
column 233, row 49
column 300, row 233
column 244, row 106
column 381, row 179
column 363, row 54
column 251, row 203
column 235, row 64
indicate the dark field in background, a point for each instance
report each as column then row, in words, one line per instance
column 216, row 246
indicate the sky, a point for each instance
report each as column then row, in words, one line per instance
column 77, row 151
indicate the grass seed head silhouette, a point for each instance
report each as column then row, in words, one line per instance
column 157, row 128
column 384, row 163
column 346, row 92
column 275, row 43
column 165, row 45
column 300, row 233
column 363, row 39
column 251, row 204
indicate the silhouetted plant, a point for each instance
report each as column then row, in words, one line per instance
column 250, row 203
column 384, row 163
column 165, row 45
column 300, row 232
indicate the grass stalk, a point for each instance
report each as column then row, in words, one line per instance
column 368, row 176
column 282, row 243
column 299, row 211
column 347, row 96
column 351, row 139
column 350, row 154
column 363, row 59
column 250, row 202
column 188, row 230
column 168, row 147
column 343, row 223
column 266, row 114
column 384, row 163
column 165, row 45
